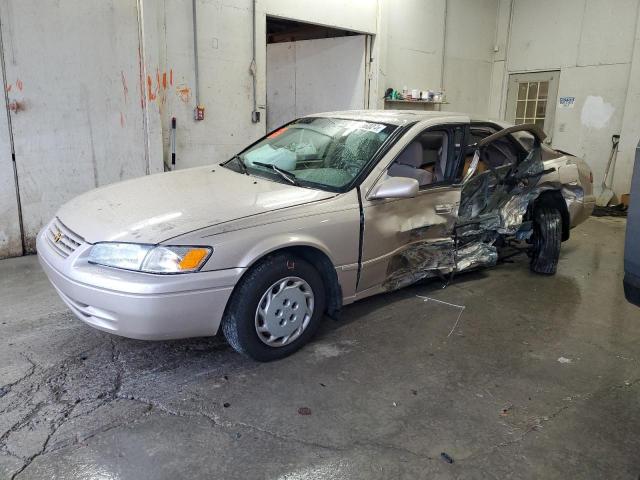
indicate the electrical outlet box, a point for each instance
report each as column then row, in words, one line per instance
column 255, row 116
column 199, row 114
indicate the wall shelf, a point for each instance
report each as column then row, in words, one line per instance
column 413, row 104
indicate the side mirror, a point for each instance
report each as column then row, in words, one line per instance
column 395, row 187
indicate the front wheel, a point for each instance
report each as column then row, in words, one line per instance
column 546, row 239
column 275, row 308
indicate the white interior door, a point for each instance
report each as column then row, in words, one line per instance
column 531, row 98
column 312, row 76
column 72, row 71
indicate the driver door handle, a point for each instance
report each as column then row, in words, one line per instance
column 444, row 208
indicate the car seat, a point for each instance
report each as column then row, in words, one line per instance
column 408, row 165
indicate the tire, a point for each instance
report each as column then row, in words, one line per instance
column 279, row 273
column 547, row 237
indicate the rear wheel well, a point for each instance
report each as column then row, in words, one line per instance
column 554, row 199
column 324, row 266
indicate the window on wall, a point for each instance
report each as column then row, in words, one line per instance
column 531, row 106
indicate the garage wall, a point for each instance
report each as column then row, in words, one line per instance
column 468, row 54
column 72, row 72
column 469, row 46
column 592, row 43
column 225, row 49
column 413, row 43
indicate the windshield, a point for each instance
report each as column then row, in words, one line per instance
column 316, row 151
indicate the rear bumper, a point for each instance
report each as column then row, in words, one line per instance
column 138, row 305
column 581, row 209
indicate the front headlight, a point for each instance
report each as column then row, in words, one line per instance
column 149, row 258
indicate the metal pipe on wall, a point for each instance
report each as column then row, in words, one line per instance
column 255, row 115
column 142, row 61
column 13, row 151
column 195, row 51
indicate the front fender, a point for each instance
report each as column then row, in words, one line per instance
column 284, row 240
column 332, row 227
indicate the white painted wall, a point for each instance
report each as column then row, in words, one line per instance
column 469, row 55
column 592, row 43
column 413, row 43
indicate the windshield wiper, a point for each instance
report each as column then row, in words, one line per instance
column 243, row 167
column 287, row 175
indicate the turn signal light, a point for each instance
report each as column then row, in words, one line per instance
column 193, row 258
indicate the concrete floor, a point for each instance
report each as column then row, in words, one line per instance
column 540, row 379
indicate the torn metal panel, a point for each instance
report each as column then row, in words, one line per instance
column 492, row 203
column 476, row 254
column 498, row 199
column 418, row 261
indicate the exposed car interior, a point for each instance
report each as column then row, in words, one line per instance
column 424, row 159
column 497, row 154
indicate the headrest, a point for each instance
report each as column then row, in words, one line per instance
column 411, row 156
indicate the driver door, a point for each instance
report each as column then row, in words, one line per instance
column 408, row 239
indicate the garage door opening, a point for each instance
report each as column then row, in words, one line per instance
column 312, row 68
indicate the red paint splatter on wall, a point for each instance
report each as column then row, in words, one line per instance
column 19, row 84
column 125, row 89
column 156, row 89
column 9, row 87
column 184, row 93
column 151, row 94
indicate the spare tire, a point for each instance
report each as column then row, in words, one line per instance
column 546, row 239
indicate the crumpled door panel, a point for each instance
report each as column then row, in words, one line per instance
column 494, row 203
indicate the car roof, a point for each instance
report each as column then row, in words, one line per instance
column 404, row 117
column 397, row 117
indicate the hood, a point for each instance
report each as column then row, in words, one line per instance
column 158, row 207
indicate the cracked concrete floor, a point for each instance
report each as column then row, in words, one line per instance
column 388, row 390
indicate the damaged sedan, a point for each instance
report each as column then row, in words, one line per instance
column 329, row 209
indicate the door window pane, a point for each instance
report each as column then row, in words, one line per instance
column 543, row 90
column 531, row 104
column 541, row 109
column 522, row 91
column 531, row 108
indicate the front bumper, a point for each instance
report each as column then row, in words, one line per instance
column 138, row 305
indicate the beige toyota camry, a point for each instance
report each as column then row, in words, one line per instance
column 329, row 209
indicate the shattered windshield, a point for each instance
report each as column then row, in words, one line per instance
column 318, row 152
